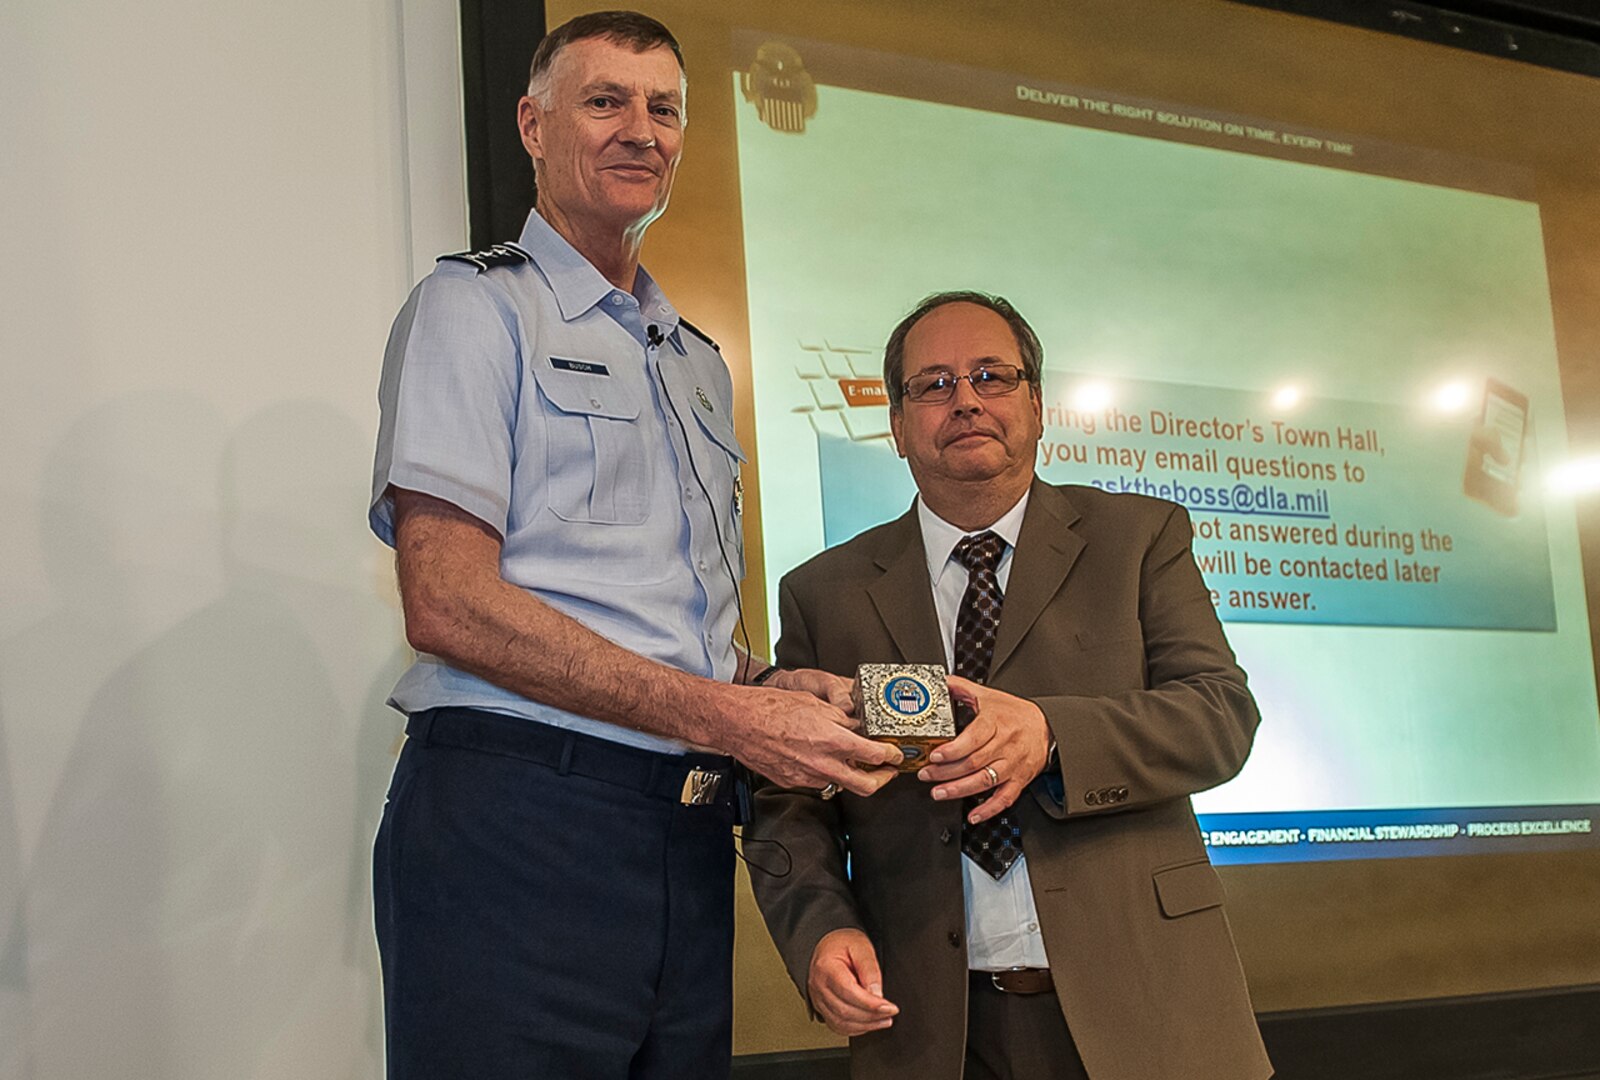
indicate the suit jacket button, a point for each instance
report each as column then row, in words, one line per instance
column 955, row 939
column 944, row 836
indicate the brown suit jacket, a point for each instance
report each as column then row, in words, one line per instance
column 1109, row 629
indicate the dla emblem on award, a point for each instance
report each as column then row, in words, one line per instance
column 905, row 705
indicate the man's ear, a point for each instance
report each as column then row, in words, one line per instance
column 528, row 127
column 896, row 419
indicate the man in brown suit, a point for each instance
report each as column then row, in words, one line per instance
column 1082, row 932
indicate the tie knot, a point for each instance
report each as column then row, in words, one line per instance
column 980, row 552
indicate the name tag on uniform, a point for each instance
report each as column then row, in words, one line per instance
column 587, row 367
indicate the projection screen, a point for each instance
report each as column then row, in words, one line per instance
column 1333, row 291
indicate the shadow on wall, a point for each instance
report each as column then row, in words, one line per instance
column 126, row 511
column 193, row 901
column 15, row 1056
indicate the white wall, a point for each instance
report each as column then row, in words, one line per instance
column 211, row 211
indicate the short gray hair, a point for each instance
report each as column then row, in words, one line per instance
column 894, row 354
column 638, row 32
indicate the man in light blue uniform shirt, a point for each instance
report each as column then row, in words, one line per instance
column 623, row 515
column 558, row 473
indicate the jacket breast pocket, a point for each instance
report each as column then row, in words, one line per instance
column 1089, row 661
column 598, row 467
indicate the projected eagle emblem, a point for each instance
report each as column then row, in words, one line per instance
column 783, row 92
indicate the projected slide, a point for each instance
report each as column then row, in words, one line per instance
column 1337, row 354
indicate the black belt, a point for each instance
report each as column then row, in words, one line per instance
column 1017, row 980
column 692, row 779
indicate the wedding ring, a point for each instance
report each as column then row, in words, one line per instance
column 830, row 791
column 994, row 777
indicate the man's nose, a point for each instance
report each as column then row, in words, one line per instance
column 965, row 399
column 637, row 128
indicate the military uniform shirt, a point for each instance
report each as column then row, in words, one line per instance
column 594, row 433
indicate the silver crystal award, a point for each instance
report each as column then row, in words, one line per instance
column 905, row 705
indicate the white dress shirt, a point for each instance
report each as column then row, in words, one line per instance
column 1002, row 923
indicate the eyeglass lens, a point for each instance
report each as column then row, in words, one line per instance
column 985, row 381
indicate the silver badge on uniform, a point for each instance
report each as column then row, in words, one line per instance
column 705, row 402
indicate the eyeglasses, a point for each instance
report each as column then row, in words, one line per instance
column 938, row 387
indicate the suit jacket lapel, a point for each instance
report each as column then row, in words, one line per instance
column 903, row 597
column 1046, row 549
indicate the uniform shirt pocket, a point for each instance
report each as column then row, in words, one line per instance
column 597, row 467
column 723, row 482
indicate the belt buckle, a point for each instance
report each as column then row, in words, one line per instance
column 1022, row 980
column 700, row 787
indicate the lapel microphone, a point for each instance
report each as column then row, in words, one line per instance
column 653, row 335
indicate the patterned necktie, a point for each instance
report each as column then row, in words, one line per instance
column 994, row 844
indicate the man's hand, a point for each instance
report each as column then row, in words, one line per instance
column 459, row 609
column 1009, row 735
column 797, row 740
column 824, row 685
column 846, row 987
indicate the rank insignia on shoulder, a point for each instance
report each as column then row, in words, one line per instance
column 495, row 255
column 699, row 333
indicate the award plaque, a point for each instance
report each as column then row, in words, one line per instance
column 905, row 705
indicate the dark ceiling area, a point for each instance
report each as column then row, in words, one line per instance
column 1562, row 34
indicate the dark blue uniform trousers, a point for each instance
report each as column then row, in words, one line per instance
column 547, row 907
